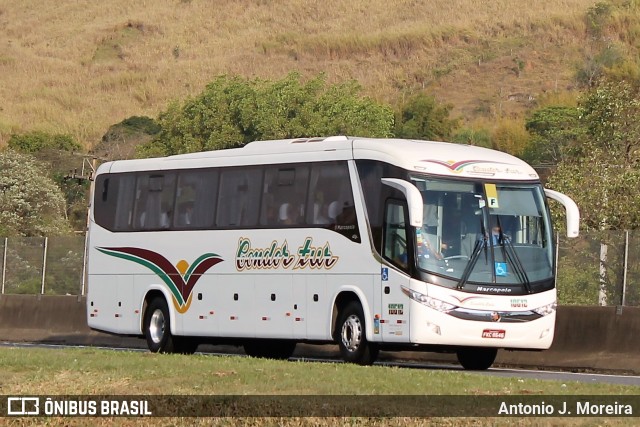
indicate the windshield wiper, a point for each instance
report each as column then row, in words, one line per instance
column 475, row 255
column 512, row 256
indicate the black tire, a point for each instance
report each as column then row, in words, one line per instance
column 157, row 327
column 477, row 358
column 352, row 337
column 270, row 349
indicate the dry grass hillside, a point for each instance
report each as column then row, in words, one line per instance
column 80, row 66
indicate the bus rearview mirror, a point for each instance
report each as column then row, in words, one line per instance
column 573, row 213
column 413, row 196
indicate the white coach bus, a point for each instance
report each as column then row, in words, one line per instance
column 371, row 243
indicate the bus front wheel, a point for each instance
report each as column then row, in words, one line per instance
column 352, row 336
column 476, row 358
column 157, row 329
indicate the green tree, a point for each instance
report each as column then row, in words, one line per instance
column 232, row 111
column 422, row 118
column 553, row 130
column 602, row 171
column 31, row 204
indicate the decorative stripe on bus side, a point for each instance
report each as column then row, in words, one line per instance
column 180, row 278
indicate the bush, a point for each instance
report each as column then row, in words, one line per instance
column 36, row 141
column 470, row 136
column 422, row 118
column 121, row 139
column 31, row 204
column 231, row 112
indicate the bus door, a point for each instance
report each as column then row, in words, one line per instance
column 392, row 323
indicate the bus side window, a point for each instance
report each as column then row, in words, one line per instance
column 284, row 196
column 395, row 235
column 239, row 198
column 195, row 199
column 112, row 204
column 154, row 201
column 123, row 200
column 330, row 199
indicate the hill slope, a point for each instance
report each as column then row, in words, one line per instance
column 79, row 67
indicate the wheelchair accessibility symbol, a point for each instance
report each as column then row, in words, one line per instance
column 501, row 268
column 385, row 274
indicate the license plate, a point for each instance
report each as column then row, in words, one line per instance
column 493, row 333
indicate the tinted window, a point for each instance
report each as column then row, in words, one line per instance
column 239, row 200
column 283, row 199
column 278, row 196
column 196, row 194
column 396, row 247
column 153, row 205
column 113, row 201
column 330, row 199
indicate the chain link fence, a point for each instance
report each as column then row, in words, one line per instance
column 598, row 268
column 42, row 265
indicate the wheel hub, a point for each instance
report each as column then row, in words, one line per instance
column 352, row 333
column 156, row 326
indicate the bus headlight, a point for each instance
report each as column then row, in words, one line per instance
column 546, row 310
column 434, row 303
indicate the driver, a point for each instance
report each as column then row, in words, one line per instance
column 427, row 244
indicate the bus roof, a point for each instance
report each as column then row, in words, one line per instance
column 439, row 158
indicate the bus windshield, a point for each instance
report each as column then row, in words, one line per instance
column 481, row 232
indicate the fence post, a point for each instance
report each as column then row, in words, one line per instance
column 44, row 263
column 602, row 293
column 625, row 267
column 4, row 263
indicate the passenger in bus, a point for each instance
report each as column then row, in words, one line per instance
column 185, row 217
column 347, row 216
column 163, row 222
column 333, row 211
column 320, row 213
column 429, row 245
column 165, row 219
column 288, row 214
column 497, row 237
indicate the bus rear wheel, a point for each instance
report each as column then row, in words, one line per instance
column 157, row 329
column 352, row 336
column 477, row 358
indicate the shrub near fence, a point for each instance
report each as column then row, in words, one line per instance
column 591, row 267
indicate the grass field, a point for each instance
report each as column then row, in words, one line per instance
column 79, row 67
column 104, row 372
